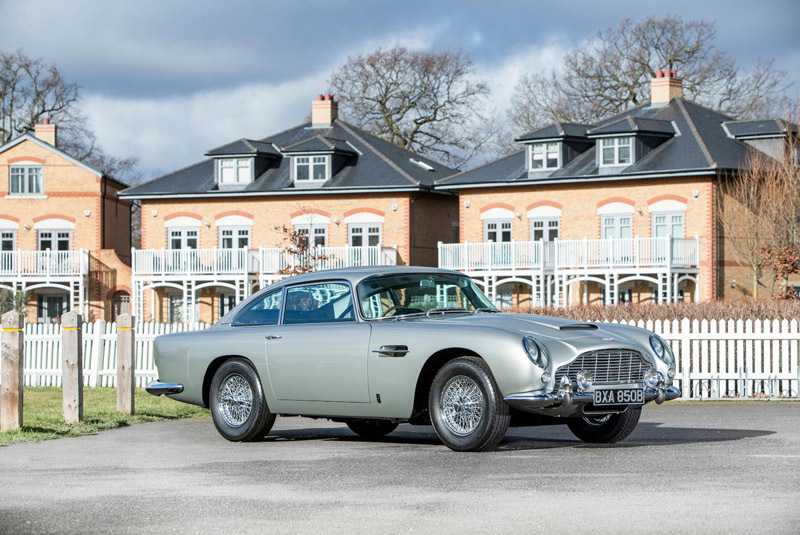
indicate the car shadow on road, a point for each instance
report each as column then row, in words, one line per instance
column 646, row 434
column 524, row 438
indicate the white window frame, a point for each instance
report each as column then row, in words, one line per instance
column 55, row 237
column 237, row 165
column 365, row 231
column 42, row 309
column 7, row 235
column 500, row 226
column 670, row 223
column 546, row 149
column 616, row 219
column 313, row 231
column 227, row 301
column 548, row 224
column 613, row 144
column 26, row 169
column 237, row 232
column 310, row 161
column 184, row 237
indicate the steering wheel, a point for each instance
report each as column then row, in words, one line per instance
column 391, row 309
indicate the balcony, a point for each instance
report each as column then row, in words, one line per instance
column 43, row 264
column 613, row 254
column 180, row 263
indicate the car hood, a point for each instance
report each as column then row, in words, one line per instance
column 553, row 332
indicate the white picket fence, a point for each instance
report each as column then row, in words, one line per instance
column 733, row 359
column 715, row 359
column 42, row 365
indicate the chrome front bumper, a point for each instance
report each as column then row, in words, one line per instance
column 564, row 398
column 157, row 388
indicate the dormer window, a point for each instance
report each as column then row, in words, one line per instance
column 545, row 156
column 616, row 150
column 312, row 168
column 234, row 171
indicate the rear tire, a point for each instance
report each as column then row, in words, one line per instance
column 466, row 408
column 605, row 429
column 371, row 428
column 237, row 403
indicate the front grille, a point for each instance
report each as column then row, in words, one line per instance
column 608, row 366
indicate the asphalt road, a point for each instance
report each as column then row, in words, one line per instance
column 688, row 468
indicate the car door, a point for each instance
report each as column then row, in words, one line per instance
column 319, row 351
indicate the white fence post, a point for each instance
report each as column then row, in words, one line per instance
column 98, row 351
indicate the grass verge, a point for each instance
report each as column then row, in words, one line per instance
column 42, row 419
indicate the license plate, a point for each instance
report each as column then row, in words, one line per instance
column 619, row 396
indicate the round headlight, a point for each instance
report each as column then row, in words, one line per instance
column 657, row 346
column 584, row 379
column 662, row 349
column 535, row 352
column 651, row 378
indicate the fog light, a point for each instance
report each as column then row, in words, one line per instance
column 545, row 377
column 651, row 378
column 584, row 379
column 671, row 373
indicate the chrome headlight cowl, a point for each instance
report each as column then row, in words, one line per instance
column 535, row 352
column 662, row 349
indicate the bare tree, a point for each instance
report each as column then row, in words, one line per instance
column 611, row 73
column 427, row 102
column 743, row 208
column 32, row 90
column 759, row 211
column 782, row 175
column 305, row 257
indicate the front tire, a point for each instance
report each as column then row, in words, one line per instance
column 371, row 428
column 466, row 408
column 237, row 403
column 605, row 429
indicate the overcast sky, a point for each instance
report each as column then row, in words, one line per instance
column 167, row 80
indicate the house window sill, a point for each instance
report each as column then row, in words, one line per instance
column 23, row 196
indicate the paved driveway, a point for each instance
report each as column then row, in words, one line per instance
column 688, row 468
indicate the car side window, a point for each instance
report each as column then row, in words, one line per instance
column 319, row 303
column 263, row 311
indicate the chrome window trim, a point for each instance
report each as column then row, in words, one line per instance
column 286, row 288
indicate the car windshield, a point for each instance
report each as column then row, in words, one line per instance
column 419, row 293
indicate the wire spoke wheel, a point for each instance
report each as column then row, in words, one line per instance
column 462, row 405
column 235, row 400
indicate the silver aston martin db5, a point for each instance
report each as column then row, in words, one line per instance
column 376, row 347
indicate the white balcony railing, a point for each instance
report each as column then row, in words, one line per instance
column 43, row 264
column 275, row 260
column 489, row 256
column 265, row 260
column 192, row 262
column 612, row 253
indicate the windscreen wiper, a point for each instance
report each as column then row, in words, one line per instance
column 445, row 310
column 485, row 309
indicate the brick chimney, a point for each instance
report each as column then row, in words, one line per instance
column 664, row 87
column 324, row 111
column 46, row 132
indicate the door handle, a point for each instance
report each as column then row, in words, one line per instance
column 273, row 337
column 391, row 351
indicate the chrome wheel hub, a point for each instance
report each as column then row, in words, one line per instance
column 235, row 400
column 462, row 405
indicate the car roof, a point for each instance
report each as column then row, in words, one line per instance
column 354, row 275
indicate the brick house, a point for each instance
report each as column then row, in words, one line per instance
column 64, row 234
column 619, row 211
column 208, row 230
